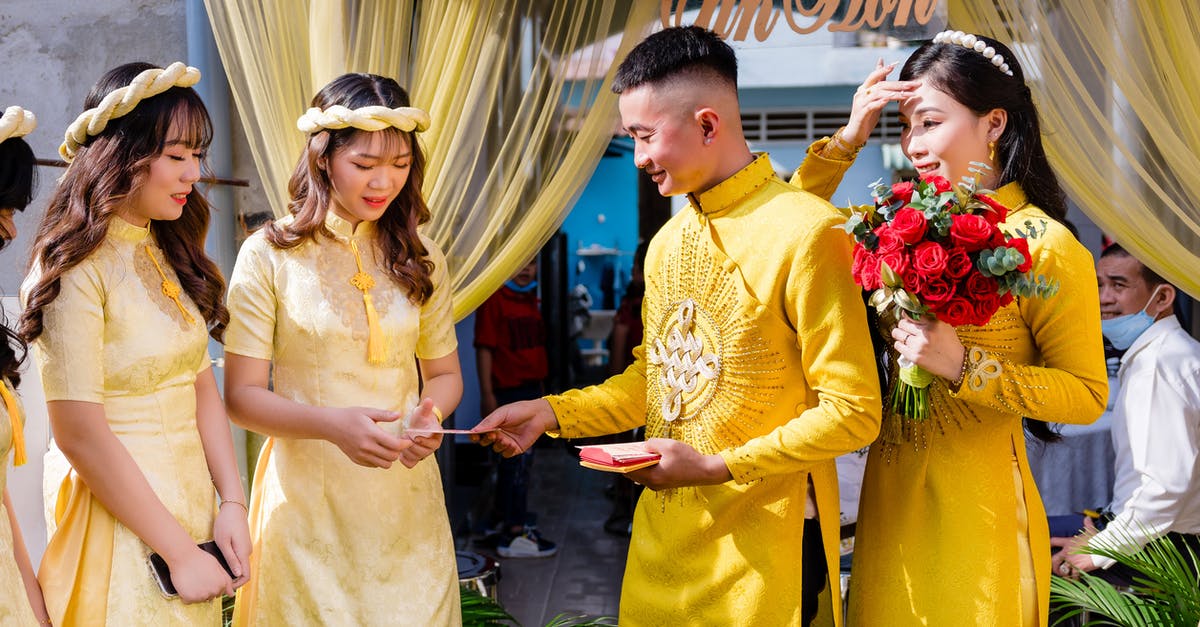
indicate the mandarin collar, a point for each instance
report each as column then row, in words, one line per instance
column 123, row 231
column 342, row 230
column 1011, row 196
column 732, row 190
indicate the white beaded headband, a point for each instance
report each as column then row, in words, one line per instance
column 16, row 122
column 967, row 40
column 373, row 118
column 122, row 100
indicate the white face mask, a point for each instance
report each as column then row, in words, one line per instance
column 1123, row 331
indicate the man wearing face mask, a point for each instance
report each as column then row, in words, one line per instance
column 1156, row 421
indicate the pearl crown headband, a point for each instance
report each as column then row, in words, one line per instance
column 16, row 122
column 373, row 118
column 967, row 40
column 122, row 100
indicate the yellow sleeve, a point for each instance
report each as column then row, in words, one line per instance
column 837, row 362
column 251, row 302
column 618, row 404
column 436, row 338
column 819, row 175
column 1071, row 385
column 70, row 349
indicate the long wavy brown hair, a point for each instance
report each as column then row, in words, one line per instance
column 108, row 172
column 405, row 257
column 18, row 176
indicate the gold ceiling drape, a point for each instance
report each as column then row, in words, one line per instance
column 516, row 130
column 1117, row 85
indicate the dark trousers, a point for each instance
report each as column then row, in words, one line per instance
column 512, row 473
column 814, row 571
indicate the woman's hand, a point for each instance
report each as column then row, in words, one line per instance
column 198, row 577
column 232, row 536
column 423, row 445
column 930, row 344
column 869, row 100
column 363, row 440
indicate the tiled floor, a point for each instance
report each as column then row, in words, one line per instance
column 585, row 575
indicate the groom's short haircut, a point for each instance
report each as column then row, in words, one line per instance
column 683, row 52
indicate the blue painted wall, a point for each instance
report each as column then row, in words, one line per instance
column 606, row 217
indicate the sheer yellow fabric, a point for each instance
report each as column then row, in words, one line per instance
column 507, row 153
column 1118, row 89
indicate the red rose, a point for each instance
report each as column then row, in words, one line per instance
column 972, row 232
column 1006, row 299
column 936, row 292
column 978, row 286
column 998, row 213
column 956, row 312
column 958, row 263
column 909, row 224
column 897, row 261
column 912, row 280
column 929, row 259
column 889, row 241
column 940, row 183
column 985, row 308
column 865, row 268
column 902, row 191
column 1022, row 246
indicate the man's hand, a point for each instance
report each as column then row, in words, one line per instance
column 1069, row 562
column 519, row 426
column 680, row 466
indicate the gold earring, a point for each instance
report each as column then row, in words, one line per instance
column 992, row 152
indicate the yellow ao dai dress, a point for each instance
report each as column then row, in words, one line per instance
column 14, row 604
column 114, row 338
column 336, row 543
column 951, row 529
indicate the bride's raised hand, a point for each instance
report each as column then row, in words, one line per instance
column 869, row 100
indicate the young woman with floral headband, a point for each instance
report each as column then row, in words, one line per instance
column 20, row 595
column 951, row 530
column 119, row 305
column 340, row 323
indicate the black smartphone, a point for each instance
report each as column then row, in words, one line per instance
column 162, row 574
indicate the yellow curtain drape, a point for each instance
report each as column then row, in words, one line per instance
column 1117, row 85
column 514, row 136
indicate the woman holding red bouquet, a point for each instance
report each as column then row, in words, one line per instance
column 951, row 529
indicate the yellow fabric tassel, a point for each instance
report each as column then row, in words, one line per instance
column 169, row 288
column 18, row 425
column 376, row 343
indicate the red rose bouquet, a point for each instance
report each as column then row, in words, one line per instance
column 928, row 249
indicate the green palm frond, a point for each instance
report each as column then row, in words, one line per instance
column 483, row 611
column 1166, row 593
column 574, row 619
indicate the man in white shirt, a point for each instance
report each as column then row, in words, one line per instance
column 1156, row 420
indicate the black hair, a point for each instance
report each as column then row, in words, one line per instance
column 18, row 174
column 674, row 51
column 1152, row 278
column 972, row 79
column 18, row 178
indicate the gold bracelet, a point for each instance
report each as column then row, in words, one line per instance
column 437, row 412
column 235, row 502
column 839, row 149
column 962, row 373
